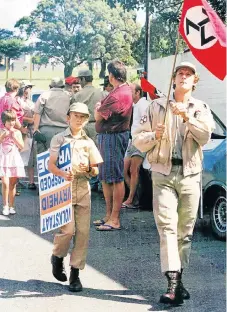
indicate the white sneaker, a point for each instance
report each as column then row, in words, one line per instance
column 12, row 210
column 5, row 210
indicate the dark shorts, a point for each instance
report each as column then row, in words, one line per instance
column 112, row 148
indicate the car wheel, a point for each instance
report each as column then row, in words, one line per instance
column 218, row 215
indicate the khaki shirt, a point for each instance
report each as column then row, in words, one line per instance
column 90, row 96
column 196, row 132
column 83, row 150
column 53, row 106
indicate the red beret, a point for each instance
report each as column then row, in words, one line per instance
column 70, row 80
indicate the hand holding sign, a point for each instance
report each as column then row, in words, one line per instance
column 68, row 175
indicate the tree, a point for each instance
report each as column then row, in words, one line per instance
column 40, row 60
column 73, row 31
column 10, row 45
column 12, row 48
column 114, row 36
column 159, row 6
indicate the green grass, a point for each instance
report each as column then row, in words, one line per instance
column 42, row 78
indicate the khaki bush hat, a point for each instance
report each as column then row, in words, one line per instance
column 57, row 83
column 186, row 64
column 84, row 73
column 79, row 108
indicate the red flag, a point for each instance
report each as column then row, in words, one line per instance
column 205, row 35
column 148, row 87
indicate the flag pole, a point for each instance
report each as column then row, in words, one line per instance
column 170, row 87
column 171, row 79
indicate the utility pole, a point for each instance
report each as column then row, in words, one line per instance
column 7, row 67
column 147, row 38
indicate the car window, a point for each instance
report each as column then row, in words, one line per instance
column 35, row 97
column 220, row 128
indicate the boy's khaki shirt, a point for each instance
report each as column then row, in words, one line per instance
column 83, row 150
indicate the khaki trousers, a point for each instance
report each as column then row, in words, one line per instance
column 175, row 206
column 80, row 225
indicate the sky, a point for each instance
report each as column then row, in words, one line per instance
column 12, row 10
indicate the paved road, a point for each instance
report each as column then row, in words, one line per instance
column 122, row 274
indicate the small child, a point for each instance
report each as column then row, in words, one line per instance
column 11, row 163
column 84, row 157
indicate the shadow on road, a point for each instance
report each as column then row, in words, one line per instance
column 130, row 257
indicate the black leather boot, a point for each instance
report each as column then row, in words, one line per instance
column 173, row 294
column 74, row 281
column 185, row 294
column 58, row 268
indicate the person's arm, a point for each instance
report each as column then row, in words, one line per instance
column 144, row 139
column 97, row 115
column 37, row 118
column 17, row 138
column 94, row 159
column 29, row 120
column 200, row 125
column 39, row 106
column 3, row 134
column 67, row 175
column 55, row 146
column 105, row 109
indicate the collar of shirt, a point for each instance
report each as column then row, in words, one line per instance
column 190, row 102
column 68, row 132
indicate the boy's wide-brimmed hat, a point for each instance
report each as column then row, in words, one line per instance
column 79, row 108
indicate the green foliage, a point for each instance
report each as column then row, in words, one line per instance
column 5, row 34
column 220, row 7
column 12, row 47
column 73, row 31
column 40, row 60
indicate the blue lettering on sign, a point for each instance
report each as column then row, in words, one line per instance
column 52, row 222
column 64, row 159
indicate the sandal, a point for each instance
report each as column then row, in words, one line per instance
column 32, row 186
column 17, row 193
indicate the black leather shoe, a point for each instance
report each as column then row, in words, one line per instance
column 173, row 294
column 74, row 281
column 58, row 268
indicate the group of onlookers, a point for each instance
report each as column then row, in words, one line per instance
column 111, row 136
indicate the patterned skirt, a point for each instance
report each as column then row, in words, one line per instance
column 112, row 147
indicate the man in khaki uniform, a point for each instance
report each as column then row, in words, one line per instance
column 50, row 112
column 90, row 96
column 175, row 155
column 85, row 157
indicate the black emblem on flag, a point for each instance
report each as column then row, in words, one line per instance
column 200, row 27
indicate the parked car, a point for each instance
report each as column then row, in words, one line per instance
column 214, row 179
column 35, row 95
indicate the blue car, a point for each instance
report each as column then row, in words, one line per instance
column 214, row 179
